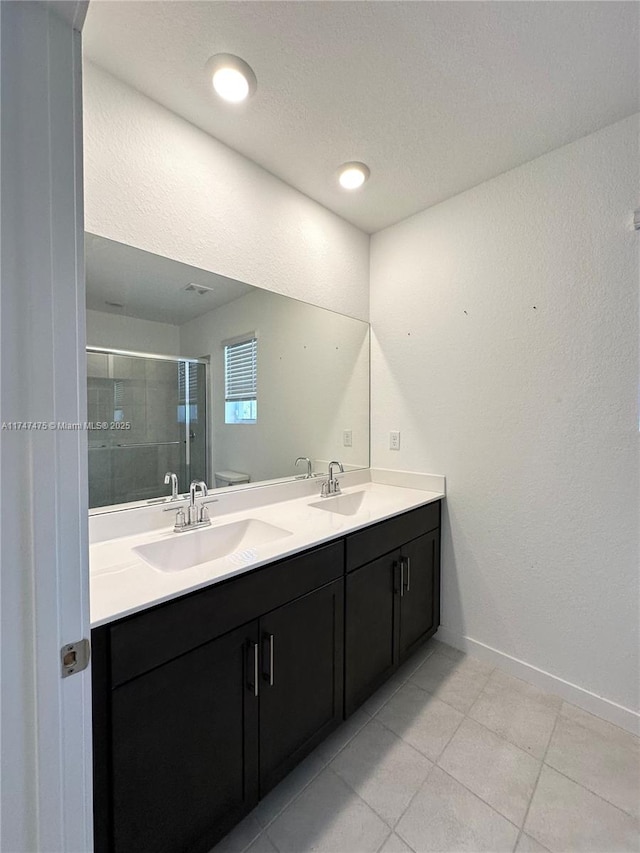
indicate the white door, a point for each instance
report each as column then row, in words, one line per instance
column 45, row 721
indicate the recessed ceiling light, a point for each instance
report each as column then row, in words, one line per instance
column 232, row 78
column 351, row 176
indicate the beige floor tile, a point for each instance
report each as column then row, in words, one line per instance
column 457, row 682
column 445, row 816
column 383, row 694
column 382, row 769
column 240, row 836
column 420, row 719
column 566, row 818
column 261, row 845
column 380, row 765
column 526, row 844
column 399, row 677
column 417, row 659
column 280, row 797
column 328, row 817
column 500, row 773
column 599, row 756
column 589, row 721
column 330, row 747
column 394, row 844
column 445, row 649
column 517, row 711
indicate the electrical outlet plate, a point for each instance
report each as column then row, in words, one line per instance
column 347, row 438
column 394, row 439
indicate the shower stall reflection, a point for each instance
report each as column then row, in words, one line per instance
column 154, row 409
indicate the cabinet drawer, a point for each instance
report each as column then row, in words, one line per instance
column 156, row 636
column 369, row 544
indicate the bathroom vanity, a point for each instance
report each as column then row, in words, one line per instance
column 205, row 700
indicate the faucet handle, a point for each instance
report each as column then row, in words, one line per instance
column 204, row 512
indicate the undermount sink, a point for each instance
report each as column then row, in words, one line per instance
column 343, row 504
column 185, row 550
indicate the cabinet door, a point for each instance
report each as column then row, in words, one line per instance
column 371, row 617
column 301, row 688
column 184, row 748
column 420, row 591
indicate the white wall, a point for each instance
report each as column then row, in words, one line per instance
column 506, row 350
column 313, row 382
column 129, row 333
column 154, row 181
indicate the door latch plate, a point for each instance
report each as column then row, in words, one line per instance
column 74, row 657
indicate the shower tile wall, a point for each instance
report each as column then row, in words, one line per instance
column 144, row 393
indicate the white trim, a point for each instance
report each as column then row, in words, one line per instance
column 620, row 716
column 72, row 11
column 239, row 339
column 45, row 721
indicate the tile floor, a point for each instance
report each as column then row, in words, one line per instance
column 454, row 755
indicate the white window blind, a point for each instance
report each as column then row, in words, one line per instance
column 240, row 370
column 191, row 369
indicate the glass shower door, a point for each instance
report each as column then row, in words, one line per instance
column 155, row 409
column 193, row 413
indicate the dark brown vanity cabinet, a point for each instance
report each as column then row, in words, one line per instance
column 184, row 747
column 193, row 723
column 202, row 704
column 370, row 650
column 392, row 597
column 302, row 674
column 418, row 591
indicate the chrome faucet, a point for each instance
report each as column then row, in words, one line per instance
column 172, row 478
column 309, row 473
column 195, row 517
column 193, row 514
column 332, row 485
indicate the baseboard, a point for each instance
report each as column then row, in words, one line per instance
column 620, row 716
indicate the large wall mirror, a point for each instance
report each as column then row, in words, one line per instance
column 209, row 378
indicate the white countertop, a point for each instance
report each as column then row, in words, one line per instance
column 122, row 583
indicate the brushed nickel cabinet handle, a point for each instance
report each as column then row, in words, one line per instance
column 254, row 687
column 255, row 668
column 408, row 559
column 267, row 659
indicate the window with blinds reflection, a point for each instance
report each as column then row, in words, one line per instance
column 240, row 381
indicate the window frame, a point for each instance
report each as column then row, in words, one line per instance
column 232, row 400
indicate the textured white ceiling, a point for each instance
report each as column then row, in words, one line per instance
column 435, row 97
column 151, row 287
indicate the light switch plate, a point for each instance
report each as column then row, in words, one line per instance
column 347, row 438
column 394, row 439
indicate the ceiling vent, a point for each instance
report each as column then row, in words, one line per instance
column 200, row 289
